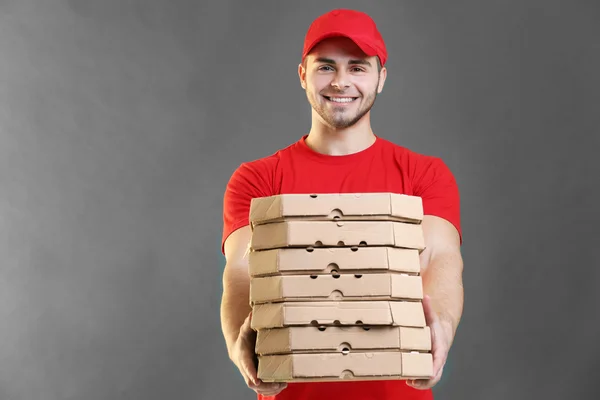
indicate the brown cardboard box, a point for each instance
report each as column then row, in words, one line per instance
column 379, row 312
column 321, row 339
column 375, row 365
column 304, row 233
column 337, row 206
column 300, row 261
column 335, row 287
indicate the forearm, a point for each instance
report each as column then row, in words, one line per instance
column 442, row 281
column 235, row 305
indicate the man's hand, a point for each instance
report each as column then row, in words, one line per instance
column 441, row 337
column 244, row 358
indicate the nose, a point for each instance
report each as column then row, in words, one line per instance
column 340, row 80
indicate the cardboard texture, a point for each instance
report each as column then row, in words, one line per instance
column 337, row 206
column 341, row 233
column 284, row 314
column 299, row 261
column 335, row 287
column 316, row 339
column 351, row 366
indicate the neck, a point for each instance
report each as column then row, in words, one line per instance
column 324, row 139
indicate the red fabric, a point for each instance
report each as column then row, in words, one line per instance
column 353, row 24
column 383, row 167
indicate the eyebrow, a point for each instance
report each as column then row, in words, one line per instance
column 330, row 61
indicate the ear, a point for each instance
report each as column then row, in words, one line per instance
column 382, row 76
column 302, row 75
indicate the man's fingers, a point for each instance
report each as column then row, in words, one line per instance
column 423, row 384
column 249, row 382
column 437, row 344
column 247, row 343
column 438, row 364
column 248, row 363
column 417, row 383
column 249, row 368
column 269, row 392
column 439, row 370
column 439, row 374
column 439, row 348
column 270, row 388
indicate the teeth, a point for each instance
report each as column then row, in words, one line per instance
column 341, row 99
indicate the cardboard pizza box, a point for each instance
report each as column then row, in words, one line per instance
column 300, row 233
column 372, row 286
column 375, row 365
column 373, row 312
column 336, row 206
column 321, row 339
column 341, row 260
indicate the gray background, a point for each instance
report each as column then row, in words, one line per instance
column 121, row 122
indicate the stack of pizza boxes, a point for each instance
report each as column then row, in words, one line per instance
column 335, row 288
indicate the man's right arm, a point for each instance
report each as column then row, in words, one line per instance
column 235, row 313
column 250, row 180
column 235, row 306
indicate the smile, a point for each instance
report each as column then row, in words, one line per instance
column 341, row 99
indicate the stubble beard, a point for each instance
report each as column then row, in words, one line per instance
column 339, row 118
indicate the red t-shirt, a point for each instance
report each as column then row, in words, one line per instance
column 383, row 167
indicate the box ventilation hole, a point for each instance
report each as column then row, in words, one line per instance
column 310, row 249
column 313, row 276
column 332, row 267
column 366, row 328
column 335, row 214
column 340, row 243
column 335, row 274
column 322, row 328
column 363, row 243
column 336, row 295
column 318, row 243
column 354, row 248
column 314, row 196
column 358, row 276
column 344, row 348
column 314, row 322
column 359, row 322
column 346, row 374
column 337, row 322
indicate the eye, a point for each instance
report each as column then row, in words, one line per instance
column 325, row 66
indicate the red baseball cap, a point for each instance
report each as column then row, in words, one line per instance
column 355, row 25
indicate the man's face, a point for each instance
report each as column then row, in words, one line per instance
column 341, row 82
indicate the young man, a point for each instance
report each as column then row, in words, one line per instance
column 342, row 71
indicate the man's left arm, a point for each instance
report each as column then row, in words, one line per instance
column 441, row 271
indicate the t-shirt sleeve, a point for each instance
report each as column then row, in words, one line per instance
column 248, row 181
column 436, row 185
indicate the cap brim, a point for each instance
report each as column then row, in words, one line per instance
column 368, row 50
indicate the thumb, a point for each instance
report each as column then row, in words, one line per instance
column 249, row 367
column 246, row 328
column 247, row 357
column 430, row 315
